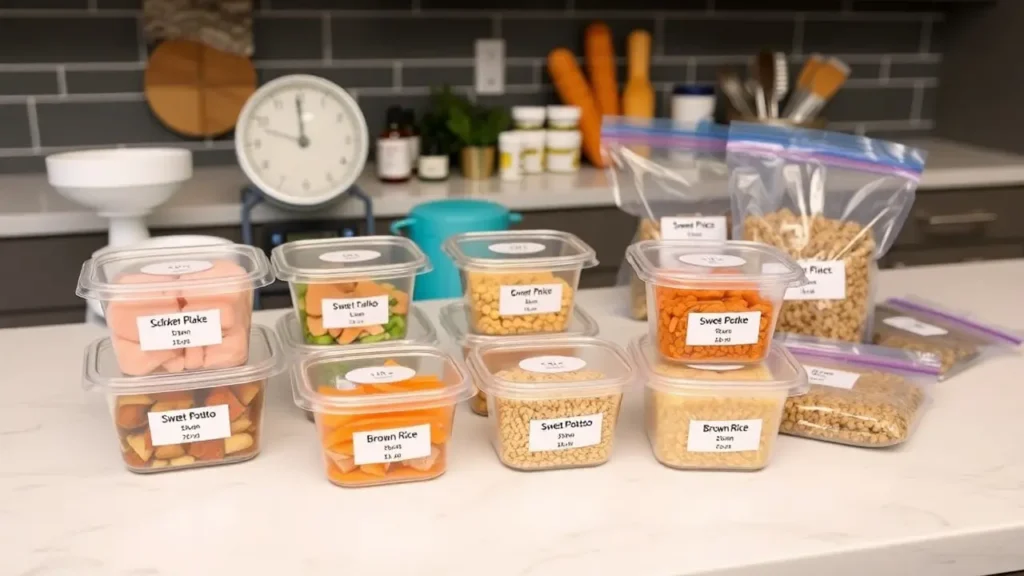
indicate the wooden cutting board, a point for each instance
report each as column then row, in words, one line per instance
column 196, row 90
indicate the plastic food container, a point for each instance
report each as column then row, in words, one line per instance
column 563, row 151
column 351, row 291
column 716, row 416
column 177, row 309
column 519, row 282
column 383, row 413
column 711, row 301
column 528, row 117
column 531, row 150
column 191, row 419
column 563, row 117
column 453, row 319
column 552, row 403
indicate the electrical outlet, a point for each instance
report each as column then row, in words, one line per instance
column 490, row 66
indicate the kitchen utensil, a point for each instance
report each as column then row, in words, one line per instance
column 803, row 83
column 765, row 76
column 302, row 140
column 781, row 81
column 729, row 80
column 196, row 90
column 638, row 97
column 828, row 79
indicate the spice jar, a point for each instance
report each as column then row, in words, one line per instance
column 552, row 403
column 394, row 161
column 531, row 144
column 562, row 154
column 563, row 117
column 510, row 160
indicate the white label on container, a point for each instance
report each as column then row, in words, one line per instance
column 722, row 328
column 827, row 281
column 190, row 425
column 343, row 256
column 565, row 433
column 530, row 299
column 716, row 367
column 916, row 326
column 693, row 228
column 350, row 312
column 724, row 435
column 379, row 374
column 176, row 268
column 391, row 445
column 179, row 330
column 515, row 248
column 831, row 377
column 712, row 260
column 552, row 364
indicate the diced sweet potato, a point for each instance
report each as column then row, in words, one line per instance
column 136, row 399
column 241, row 425
column 169, row 452
column 376, row 469
column 224, row 395
column 173, row 401
column 132, row 459
column 246, row 392
column 159, row 464
column 185, row 460
column 401, row 302
column 207, row 450
column 349, row 335
column 141, row 444
column 131, row 416
column 238, row 442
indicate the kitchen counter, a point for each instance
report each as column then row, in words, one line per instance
column 950, row 502
column 30, row 207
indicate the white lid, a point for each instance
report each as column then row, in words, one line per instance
column 420, row 331
column 378, row 378
column 519, row 250
column 508, row 138
column 528, row 114
column 563, row 138
column 339, row 259
column 101, row 369
column 778, row 372
column 563, row 113
column 716, row 262
column 143, row 274
column 453, row 319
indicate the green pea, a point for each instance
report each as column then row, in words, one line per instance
column 323, row 340
column 373, row 338
column 398, row 328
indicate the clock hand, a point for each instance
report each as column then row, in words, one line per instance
column 280, row 134
column 303, row 140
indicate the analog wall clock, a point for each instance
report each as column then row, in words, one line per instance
column 302, row 140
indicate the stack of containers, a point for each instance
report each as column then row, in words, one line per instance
column 716, row 385
column 184, row 370
column 531, row 350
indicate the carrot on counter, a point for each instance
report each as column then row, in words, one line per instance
column 600, row 60
column 574, row 90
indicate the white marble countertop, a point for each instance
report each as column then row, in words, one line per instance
column 950, row 502
column 30, row 207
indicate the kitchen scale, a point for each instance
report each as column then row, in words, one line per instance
column 302, row 141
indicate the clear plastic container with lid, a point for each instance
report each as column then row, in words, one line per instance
column 420, row 331
column 453, row 319
column 351, row 291
column 177, row 309
column 552, row 402
column 519, row 282
column 383, row 413
column 186, row 420
column 716, row 416
column 711, row 301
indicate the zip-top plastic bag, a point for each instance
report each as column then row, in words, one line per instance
column 835, row 203
column 861, row 395
column 672, row 176
column 954, row 338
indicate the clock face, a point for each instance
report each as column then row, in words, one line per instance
column 302, row 140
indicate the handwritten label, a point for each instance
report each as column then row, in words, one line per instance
column 827, row 281
column 724, row 435
column 693, row 228
column 379, row 374
column 351, row 312
column 176, row 268
column 529, row 299
column 189, row 425
column 391, row 445
column 552, row 364
column 712, row 260
column 831, row 377
column 516, row 248
column 345, row 256
column 179, row 330
column 722, row 328
column 915, row 326
column 565, row 433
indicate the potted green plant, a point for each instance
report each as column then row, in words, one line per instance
column 477, row 130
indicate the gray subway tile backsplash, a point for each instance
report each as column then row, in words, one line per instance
column 84, row 73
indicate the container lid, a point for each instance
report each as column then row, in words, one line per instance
column 712, row 261
column 519, row 250
column 378, row 378
column 453, row 320
column 142, row 274
column 528, row 114
column 778, row 372
column 420, row 331
column 265, row 361
column 563, row 113
column 693, row 90
column 339, row 259
column 558, row 138
column 546, row 367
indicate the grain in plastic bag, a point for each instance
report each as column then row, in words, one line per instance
column 835, row 203
column 954, row 338
column 860, row 394
column 672, row 177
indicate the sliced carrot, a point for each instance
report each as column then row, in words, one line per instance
column 315, row 325
column 349, row 335
column 334, row 332
column 375, row 469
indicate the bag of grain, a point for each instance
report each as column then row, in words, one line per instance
column 835, row 203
